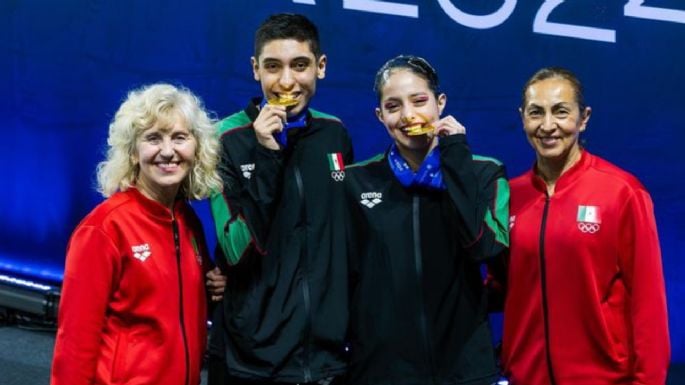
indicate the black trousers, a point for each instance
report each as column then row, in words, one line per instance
column 217, row 374
column 216, row 371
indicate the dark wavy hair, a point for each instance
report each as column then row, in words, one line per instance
column 555, row 72
column 415, row 64
column 287, row 26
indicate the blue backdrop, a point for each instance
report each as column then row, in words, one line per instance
column 65, row 66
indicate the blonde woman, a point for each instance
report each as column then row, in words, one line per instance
column 133, row 301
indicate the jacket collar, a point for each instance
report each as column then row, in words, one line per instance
column 567, row 178
column 152, row 207
column 252, row 109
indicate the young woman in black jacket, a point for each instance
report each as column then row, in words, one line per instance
column 424, row 217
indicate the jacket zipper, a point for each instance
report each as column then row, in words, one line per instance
column 305, row 285
column 418, row 263
column 543, row 279
column 177, row 244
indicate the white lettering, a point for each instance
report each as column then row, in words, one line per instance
column 140, row 248
column 634, row 8
column 541, row 25
column 372, row 195
column 478, row 21
column 385, row 7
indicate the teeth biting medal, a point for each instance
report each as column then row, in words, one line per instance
column 286, row 100
column 419, row 129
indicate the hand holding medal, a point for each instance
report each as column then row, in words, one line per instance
column 448, row 125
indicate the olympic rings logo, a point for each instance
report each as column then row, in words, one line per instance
column 586, row 227
column 338, row 176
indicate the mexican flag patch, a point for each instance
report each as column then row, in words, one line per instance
column 337, row 166
column 335, row 161
column 589, row 214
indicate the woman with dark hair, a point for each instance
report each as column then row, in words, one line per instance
column 585, row 293
column 425, row 216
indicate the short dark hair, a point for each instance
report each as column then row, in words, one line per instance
column 287, row 26
column 556, row 72
column 415, row 64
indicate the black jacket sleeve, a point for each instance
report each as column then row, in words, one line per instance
column 243, row 210
column 478, row 188
column 253, row 202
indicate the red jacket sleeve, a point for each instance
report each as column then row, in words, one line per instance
column 641, row 257
column 92, row 263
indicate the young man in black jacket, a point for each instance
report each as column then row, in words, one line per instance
column 284, row 312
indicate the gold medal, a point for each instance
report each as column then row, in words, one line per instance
column 419, row 129
column 285, row 100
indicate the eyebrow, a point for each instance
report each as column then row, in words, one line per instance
column 422, row 93
column 555, row 105
column 166, row 129
column 277, row 60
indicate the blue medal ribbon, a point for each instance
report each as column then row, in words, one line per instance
column 427, row 176
column 296, row 121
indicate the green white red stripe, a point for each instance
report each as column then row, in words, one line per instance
column 589, row 214
column 335, row 161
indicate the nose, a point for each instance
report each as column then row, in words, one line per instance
column 166, row 148
column 408, row 116
column 547, row 123
column 287, row 79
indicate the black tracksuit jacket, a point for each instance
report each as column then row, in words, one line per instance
column 418, row 302
column 285, row 307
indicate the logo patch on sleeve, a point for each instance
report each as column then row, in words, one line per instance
column 247, row 170
column 337, row 166
column 589, row 219
column 141, row 252
column 371, row 199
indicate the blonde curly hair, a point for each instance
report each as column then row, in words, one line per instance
column 142, row 109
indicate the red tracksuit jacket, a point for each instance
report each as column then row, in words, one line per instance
column 585, row 295
column 133, row 306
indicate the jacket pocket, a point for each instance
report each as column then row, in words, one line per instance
column 476, row 363
column 119, row 359
column 615, row 319
column 241, row 316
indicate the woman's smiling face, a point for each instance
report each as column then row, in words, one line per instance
column 405, row 100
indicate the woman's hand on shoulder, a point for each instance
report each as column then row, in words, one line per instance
column 216, row 284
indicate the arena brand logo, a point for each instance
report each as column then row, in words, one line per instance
column 512, row 221
column 141, row 252
column 589, row 219
column 501, row 12
column 247, row 169
column 371, row 199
